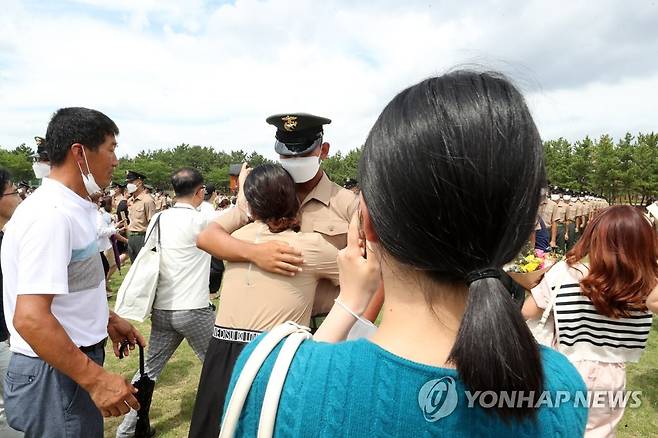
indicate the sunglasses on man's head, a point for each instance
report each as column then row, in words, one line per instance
column 15, row 192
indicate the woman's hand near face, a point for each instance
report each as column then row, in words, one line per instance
column 359, row 270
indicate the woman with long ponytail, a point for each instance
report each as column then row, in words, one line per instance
column 450, row 174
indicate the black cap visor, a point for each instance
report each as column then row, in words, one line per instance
column 296, row 149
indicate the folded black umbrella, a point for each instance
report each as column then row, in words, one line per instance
column 145, row 386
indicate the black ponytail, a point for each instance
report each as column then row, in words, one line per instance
column 451, row 173
column 495, row 350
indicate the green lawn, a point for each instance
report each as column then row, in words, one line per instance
column 173, row 399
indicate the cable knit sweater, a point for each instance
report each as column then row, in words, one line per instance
column 358, row 389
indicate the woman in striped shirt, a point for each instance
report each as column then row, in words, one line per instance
column 608, row 287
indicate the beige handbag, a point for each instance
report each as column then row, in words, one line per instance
column 294, row 334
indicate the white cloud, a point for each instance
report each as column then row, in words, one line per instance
column 209, row 73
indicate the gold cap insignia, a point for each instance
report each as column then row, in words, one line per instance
column 290, row 123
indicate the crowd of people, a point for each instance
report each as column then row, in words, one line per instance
column 562, row 218
column 451, row 187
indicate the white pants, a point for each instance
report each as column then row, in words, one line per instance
column 599, row 376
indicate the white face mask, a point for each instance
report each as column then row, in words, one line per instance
column 567, row 197
column 301, row 169
column 132, row 188
column 88, row 180
column 41, row 170
column 555, row 197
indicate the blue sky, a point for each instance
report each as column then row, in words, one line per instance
column 210, row 72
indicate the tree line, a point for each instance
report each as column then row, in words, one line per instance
column 158, row 165
column 625, row 170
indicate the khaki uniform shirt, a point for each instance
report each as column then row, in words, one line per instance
column 547, row 211
column 587, row 208
column 159, row 203
column 580, row 208
column 326, row 210
column 140, row 213
column 571, row 211
column 254, row 299
column 561, row 212
column 115, row 201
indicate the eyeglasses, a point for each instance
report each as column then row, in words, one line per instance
column 9, row 194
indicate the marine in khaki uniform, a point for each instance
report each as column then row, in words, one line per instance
column 587, row 212
column 570, row 220
column 557, row 239
column 159, row 200
column 141, row 209
column 326, row 208
column 579, row 203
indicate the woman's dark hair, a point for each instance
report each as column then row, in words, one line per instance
column 270, row 192
column 76, row 125
column 106, row 203
column 5, row 179
column 451, row 174
column 623, row 265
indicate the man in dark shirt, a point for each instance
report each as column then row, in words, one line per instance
column 9, row 200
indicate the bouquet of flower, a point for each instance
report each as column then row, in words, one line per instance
column 529, row 267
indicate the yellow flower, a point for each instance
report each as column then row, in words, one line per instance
column 530, row 267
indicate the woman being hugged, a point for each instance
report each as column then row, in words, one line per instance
column 254, row 300
column 608, row 286
column 451, row 174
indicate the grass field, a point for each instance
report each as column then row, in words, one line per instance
column 175, row 391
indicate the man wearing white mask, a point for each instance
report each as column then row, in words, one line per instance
column 54, row 291
column 326, row 208
column 557, row 232
column 41, row 165
column 570, row 220
column 140, row 212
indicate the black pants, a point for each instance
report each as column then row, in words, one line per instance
column 561, row 243
column 216, row 274
column 573, row 237
column 135, row 243
column 106, row 264
column 213, row 385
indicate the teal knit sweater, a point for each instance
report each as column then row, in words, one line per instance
column 358, row 389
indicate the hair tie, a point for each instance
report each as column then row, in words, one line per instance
column 481, row 274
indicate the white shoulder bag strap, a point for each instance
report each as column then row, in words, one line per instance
column 275, row 384
column 545, row 331
column 277, row 379
column 553, row 296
